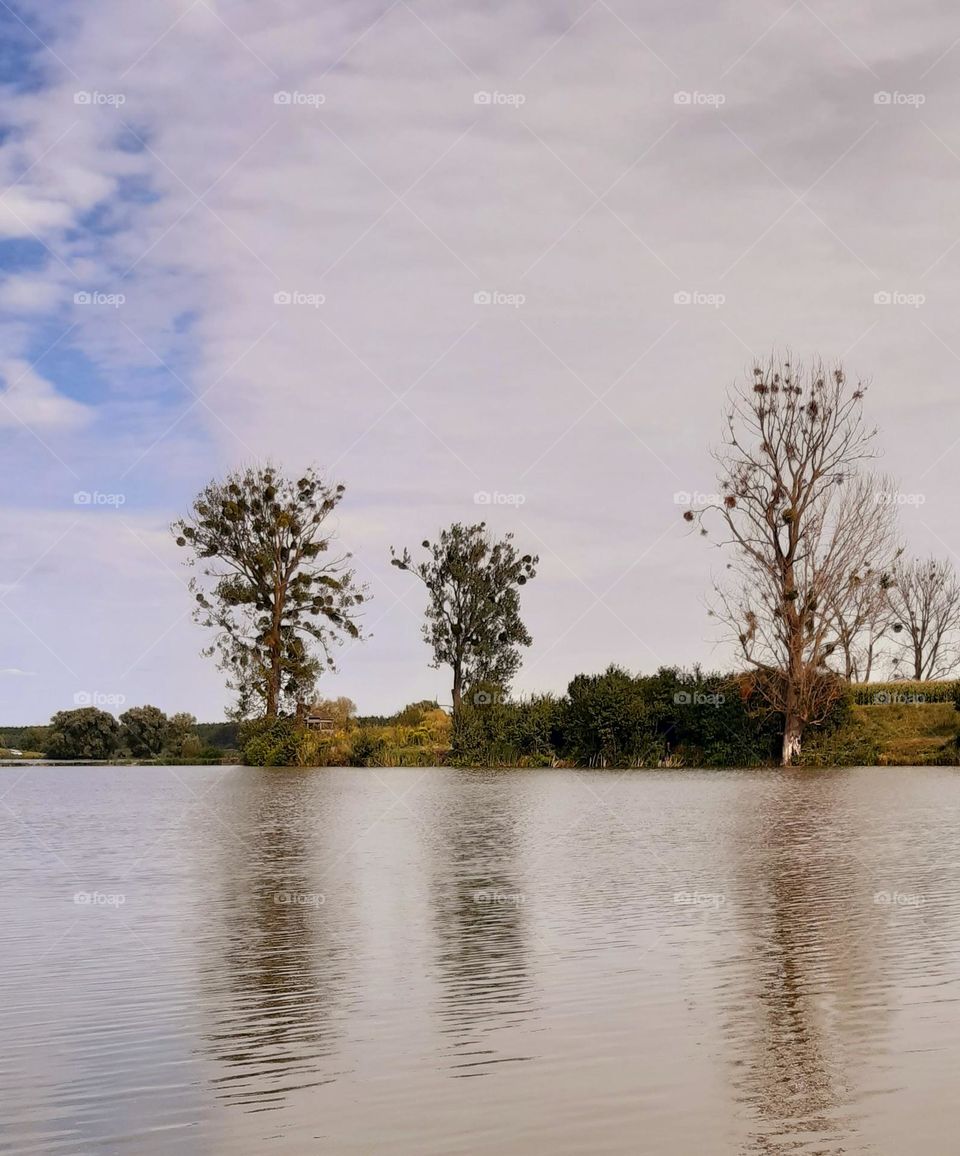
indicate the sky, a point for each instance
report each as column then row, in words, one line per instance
column 493, row 261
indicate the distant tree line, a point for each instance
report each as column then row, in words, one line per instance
column 142, row 732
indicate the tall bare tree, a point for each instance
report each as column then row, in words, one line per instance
column 925, row 600
column 794, row 439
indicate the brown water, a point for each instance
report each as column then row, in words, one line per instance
column 446, row 962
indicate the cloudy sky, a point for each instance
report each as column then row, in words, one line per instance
column 449, row 251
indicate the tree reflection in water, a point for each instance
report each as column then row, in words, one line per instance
column 801, row 1029
column 275, row 965
column 480, row 915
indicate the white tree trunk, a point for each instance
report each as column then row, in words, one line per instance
column 791, row 741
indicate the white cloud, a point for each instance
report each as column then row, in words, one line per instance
column 29, row 399
column 29, row 293
column 23, row 214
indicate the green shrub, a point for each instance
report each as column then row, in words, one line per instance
column 367, row 749
column 270, row 742
column 490, row 730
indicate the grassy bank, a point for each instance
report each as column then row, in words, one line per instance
column 889, row 734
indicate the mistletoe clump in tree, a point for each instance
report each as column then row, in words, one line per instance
column 277, row 598
column 473, row 615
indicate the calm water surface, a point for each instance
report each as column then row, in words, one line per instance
column 241, row 961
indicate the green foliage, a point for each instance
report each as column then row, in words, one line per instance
column 492, row 730
column 414, row 713
column 219, row 736
column 847, row 747
column 367, row 749
column 86, row 733
column 182, row 737
column 144, row 731
column 473, row 613
column 33, row 739
column 323, row 749
column 603, row 723
column 276, row 601
column 618, row 719
column 270, row 742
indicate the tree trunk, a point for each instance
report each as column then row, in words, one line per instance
column 792, row 722
column 274, row 658
column 273, row 696
column 457, row 690
column 792, row 733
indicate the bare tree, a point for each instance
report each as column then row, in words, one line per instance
column 925, row 599
column 794, row 439
column 863, row 615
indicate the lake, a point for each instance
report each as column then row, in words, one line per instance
column 243, row 961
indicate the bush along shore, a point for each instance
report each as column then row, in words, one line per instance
column 673, row 718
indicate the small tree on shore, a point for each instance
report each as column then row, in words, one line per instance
column 275, row 596
column 925, row 604
column 794, row 440
column 144, row 730
column 473, row 622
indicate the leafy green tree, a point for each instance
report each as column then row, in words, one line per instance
column 181, row 733
column 271, row 589
column 473, row 614
column 144, row 731
column 85, row 733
